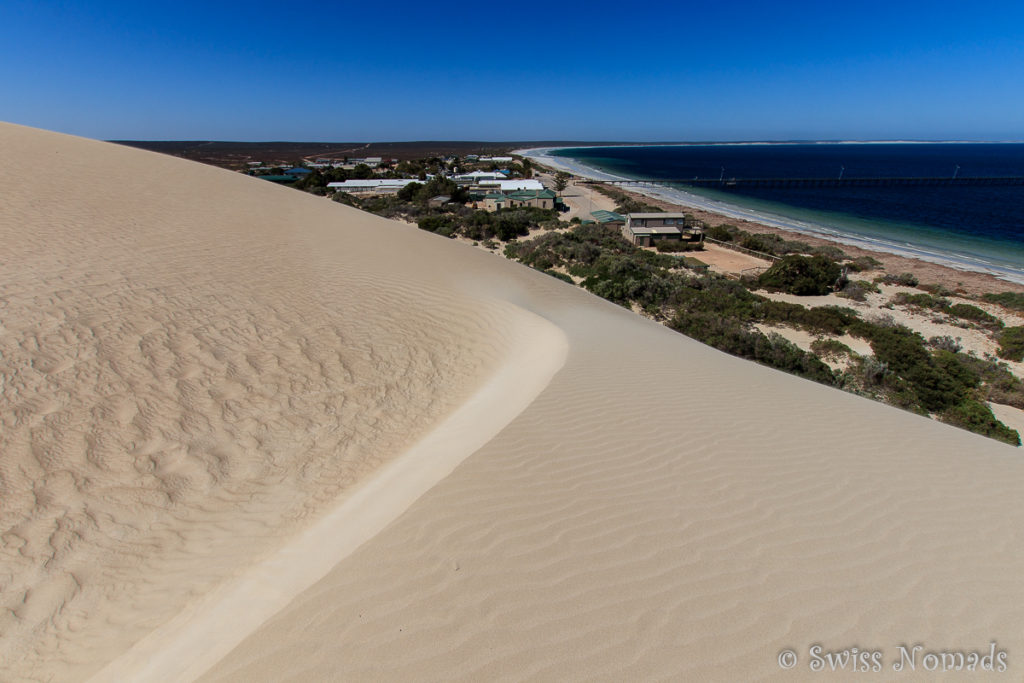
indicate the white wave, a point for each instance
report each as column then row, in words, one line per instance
column 958, row 261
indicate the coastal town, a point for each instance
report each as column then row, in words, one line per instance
column 828, row 313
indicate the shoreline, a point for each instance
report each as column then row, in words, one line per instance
column 928, row 267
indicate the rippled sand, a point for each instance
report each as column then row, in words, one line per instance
column 251, row 435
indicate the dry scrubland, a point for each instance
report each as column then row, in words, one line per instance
column 200, row 369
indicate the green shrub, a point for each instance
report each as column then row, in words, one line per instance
column 1011, row 300
column 830, row 320
column 905, row 279
column 1011, row 343
column 945, row 342
column 975, row 314
column 862, row 263
column 729, row 335
column 671, row 246
column 937, row 290
column 831, row 348
column 858, row 290
column 977, row 417
column 439, row 224
column 560, row 276
column 802, row 275
column 926, row 301
column 722, row 233
column 830, row 252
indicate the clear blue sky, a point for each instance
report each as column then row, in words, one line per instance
column 386, row 70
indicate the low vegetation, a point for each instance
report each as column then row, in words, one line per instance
column 1012, row 300
column 803, row 276
column 959, row 311
column 931, row 377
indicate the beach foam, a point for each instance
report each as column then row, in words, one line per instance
column 977, row 263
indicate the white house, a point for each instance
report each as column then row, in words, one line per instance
column 512, row 185
column 377, row 185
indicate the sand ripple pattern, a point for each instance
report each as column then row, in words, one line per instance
column 192, row 366
column 665, row 512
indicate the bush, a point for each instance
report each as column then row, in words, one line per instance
column 729, row 335
column 802, row 275
column 671, row 246
column 1011, row 343
column 560, row 276
column 722, row 233
column 975, row 314
column 830, row 252
column 831, row 348
column 937, row 290
column 905, row 279
column 858, row 290
column 926, row 301
column 862, row 263
column 946, row 343
column 1011, row 300
column 977, row 417
column 438, row 224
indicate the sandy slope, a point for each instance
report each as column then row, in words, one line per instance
column 658, row 511
column 197, row 366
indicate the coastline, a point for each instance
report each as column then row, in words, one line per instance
column 928, row 266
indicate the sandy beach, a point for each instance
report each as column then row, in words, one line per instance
column 248, row 434
column 716, row 213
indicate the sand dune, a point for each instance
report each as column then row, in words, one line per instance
column 203, row 376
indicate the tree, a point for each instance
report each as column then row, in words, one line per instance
column 561, row 180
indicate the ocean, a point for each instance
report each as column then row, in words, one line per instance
column 979, row 228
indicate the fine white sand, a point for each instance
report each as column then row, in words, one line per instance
column 252, row 435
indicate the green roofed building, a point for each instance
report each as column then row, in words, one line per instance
column 609, row 218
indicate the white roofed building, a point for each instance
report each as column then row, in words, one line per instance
column 376, row 185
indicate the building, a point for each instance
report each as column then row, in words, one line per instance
column 646, row 229
column 372, row 185
column 541, row 199
column 609, row 218
column 477, row 177
column 511, row 185
column 298, row 172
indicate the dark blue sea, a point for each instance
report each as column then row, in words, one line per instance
column 971, row 227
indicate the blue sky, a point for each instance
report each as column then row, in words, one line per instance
column 348, row 71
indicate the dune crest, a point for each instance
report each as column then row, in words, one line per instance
column 196, row 365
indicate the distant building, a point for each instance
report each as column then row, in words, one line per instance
column 512, row 185
column 646, row 229
column 372, row 185
column 297, row 171
column 476, row 177
column 541, row 199
column 609, row 218
column 439, row 200
column 497, row 160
